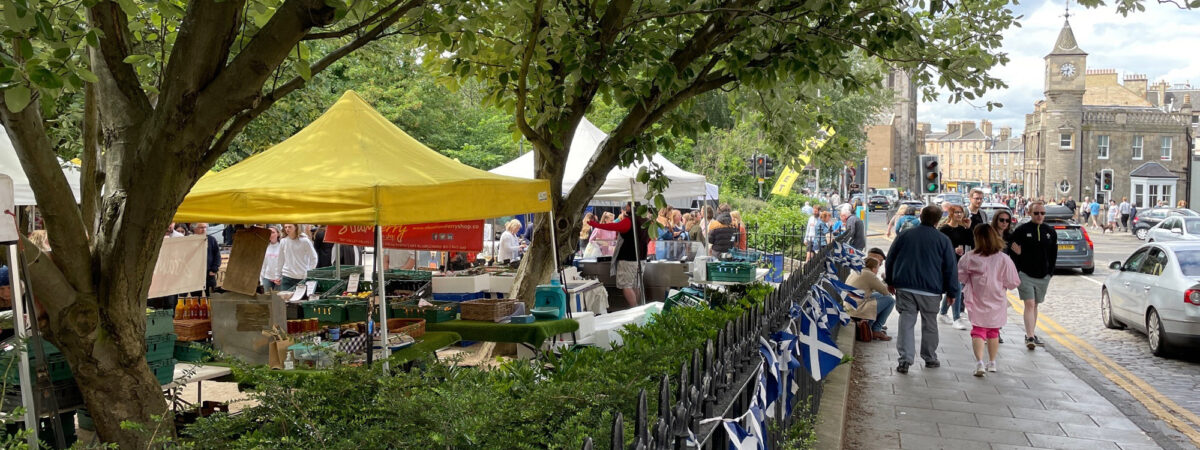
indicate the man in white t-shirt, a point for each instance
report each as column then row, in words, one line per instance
column 399, row 259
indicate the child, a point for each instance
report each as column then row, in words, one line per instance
column 987, row 274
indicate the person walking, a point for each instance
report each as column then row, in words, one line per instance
column 975, row 209
column 959, row 232
column 854, row 227
column 986, row 275
column 920, row 268
column 298, row 254
column 1035, row 245
column 1094, row 216
column 1125, row 210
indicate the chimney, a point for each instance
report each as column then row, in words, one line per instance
column 1161, row 87
column 968, row 126
column 1005, row 133
column 953, row 127
column 923, row 128
column 986, row 126
column 1186, row 107
column 1137, row 83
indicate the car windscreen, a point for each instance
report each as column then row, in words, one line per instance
column 1193, row 226
column 1189, row 262
column 1069, row 234
column 956, row 199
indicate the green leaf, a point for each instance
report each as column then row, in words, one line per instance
column 304, row 69
column 87, row 75
column 16, row 98
column 44, row 77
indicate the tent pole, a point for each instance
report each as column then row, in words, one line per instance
column 636, row 251
column 19, row 322
column 337, row 261
column 381, row 291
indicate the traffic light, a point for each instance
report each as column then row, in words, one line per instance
column 931, row 176
column 1106, row 180
column 760, row 166
column 891, row 177
column 768, row 167
column 1097, row 175
column 752, row 164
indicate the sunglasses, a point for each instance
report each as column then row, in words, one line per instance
column 1038, row 213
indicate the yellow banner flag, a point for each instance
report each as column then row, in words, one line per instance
column 783, row 185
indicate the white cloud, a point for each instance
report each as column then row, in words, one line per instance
column 1150, row 43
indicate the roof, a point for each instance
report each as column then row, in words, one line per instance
column 1066, row 44
column 970, row 135
column 1015, row 144
column 1152, row 170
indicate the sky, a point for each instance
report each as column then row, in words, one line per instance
column 1152, row 43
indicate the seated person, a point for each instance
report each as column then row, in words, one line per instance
column 876, row 305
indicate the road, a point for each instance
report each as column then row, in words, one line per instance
column 1159, row 394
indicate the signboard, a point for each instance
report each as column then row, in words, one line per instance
column 783, row 185
column 180, row 267
column 246, row 260
column 466, row 236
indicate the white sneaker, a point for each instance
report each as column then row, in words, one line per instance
column 991, row 366
column 945, row 318
column 979, row 369
column 962, row 324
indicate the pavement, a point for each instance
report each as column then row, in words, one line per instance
column 1089, row 387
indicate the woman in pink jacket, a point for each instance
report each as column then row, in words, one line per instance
column 987, row 274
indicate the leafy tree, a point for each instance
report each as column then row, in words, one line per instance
column 549, row 63
column 166, row 88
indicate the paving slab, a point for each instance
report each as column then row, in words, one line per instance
column 1033, row 401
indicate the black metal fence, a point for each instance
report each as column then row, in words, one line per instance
column 719, row 381
column 779, row 246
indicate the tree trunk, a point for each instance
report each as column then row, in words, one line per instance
column 537, row 264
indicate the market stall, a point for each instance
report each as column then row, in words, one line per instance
column 352, row 167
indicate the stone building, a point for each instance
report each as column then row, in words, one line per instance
column 962, row 152
column 1089, row 123
column 1006, row 163
column 891, row 138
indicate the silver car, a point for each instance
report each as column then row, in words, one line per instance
column 1175, row 228
column 1156, row 291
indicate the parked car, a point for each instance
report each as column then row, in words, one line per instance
column 990, row 209
column 1176, row 228
column 892, row 194
column 1149, row 217
column 1155, row 291
column 1075, row 247
column 913, row 204
column 878, row 203
column 954, row 198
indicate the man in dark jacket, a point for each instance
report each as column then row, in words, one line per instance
column 1035, row 251
column 214, row 257
column 855, row 227
column 920, row 268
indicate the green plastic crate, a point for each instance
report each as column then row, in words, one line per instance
column 331, row 272
column 356, row 311
column 160, row 347
column 736, row 272
column 401, row 274
column 56, row 364
column 164, row 370
column 191, row 351
column 327, row 311
column 85, row 420
column 160, row 322
column 439, row 312
column 333, row 290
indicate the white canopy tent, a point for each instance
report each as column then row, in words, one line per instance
column 11, row 165
column 685, row 186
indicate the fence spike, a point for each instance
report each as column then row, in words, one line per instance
column 618, row 432
column 641, row 425
column 587, row 444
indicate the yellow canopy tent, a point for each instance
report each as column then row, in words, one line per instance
column 352, row 166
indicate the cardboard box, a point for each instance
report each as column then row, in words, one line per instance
column 450, row 285
column 239, row 320
column 501, row 284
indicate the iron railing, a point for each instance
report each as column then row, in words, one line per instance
column 719, row 381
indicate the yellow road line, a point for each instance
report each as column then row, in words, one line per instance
column 1161, row 406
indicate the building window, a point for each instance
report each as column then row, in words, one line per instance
column 1064, row 140
column 1137, row 147
column 1102, row 147
column 1166, row 147
column 1195, row 119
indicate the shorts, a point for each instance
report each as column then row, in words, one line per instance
column 1033, row 288
column 627, row 274
column 984, row 333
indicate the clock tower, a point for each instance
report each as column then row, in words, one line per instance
column 1062, row 120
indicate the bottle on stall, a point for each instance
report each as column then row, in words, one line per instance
column 194, row 308
column 187, row 308
column 207, row 308
column 204, row 308
column 180, row 308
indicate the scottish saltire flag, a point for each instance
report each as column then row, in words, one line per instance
column 831, row 268
column 814, row 308
column 756, row 424
column 850, row 294
column 818, row 352
column 789, row 361
column 833, row 308
column 771, row 385
column 847, row 256
column 739, row 438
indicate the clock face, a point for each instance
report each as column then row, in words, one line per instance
column 1067, row 70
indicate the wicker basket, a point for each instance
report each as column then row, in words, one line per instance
column 192, row 329
column 490, row 310
column 415, row 328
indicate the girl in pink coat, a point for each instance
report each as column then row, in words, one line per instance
column 987, row 274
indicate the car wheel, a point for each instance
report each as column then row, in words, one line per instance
column 1155, row 334
column 1089, row 270
column 1141, row 233
column 1106, row 312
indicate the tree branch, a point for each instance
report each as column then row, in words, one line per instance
column 523, row 76
column 108, row 17
column 207, row 31
column 373, row 18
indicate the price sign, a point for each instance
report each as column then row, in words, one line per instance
column 298, row 293
column 353, row 284
column 312, row 286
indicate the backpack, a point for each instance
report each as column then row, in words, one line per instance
column 907, row 223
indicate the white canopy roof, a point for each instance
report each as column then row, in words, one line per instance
column 616, row 187
column 11, row 165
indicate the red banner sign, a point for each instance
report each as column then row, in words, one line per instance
column 442, row 237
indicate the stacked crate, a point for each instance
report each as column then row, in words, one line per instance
column 160, row 344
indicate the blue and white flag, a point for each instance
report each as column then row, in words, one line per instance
column 818, row 351
column 739, row 438
column 770, row 376
column 833, row 308
column 789, row 360
column 848, row 256
column 851, row 295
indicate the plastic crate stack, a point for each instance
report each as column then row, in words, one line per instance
column 160, row 344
